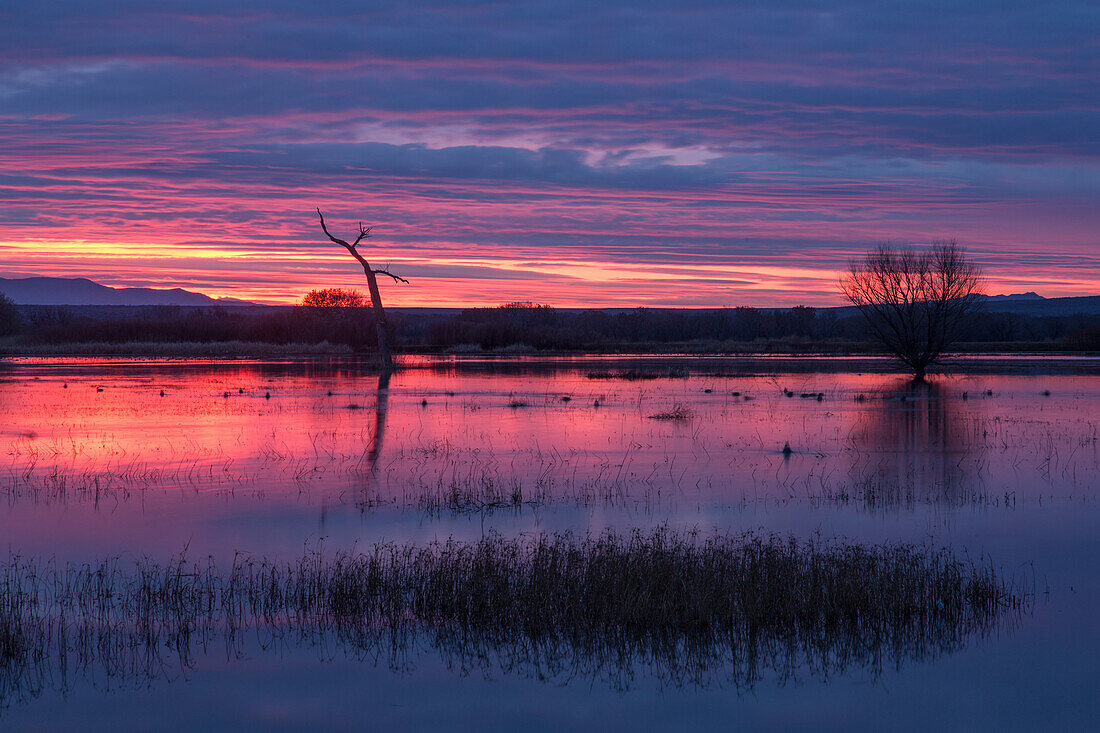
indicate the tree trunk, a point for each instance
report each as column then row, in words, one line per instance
column 385, row 355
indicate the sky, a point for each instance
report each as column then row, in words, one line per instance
column 567, row 152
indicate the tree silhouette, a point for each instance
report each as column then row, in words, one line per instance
column 333, row 298
column 385, row 353
column 915, row 302
column 10, row 320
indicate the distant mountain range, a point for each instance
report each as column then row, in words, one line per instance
column 1026, row 304
column 1029, row 295
column 82, row 291
column 1031, row 304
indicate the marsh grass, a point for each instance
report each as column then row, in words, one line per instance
column 637, row 375
column 929, row 450
column 678, row 413
column 471, row 495
column 442, row 478
column 681, row 608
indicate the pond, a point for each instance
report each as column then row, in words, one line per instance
column 810, row 473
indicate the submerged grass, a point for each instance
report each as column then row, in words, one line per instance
column 678, row 413
column 473, row 494
column 684, row 608
column 636, row 375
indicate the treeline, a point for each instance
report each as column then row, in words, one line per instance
column 352, row 327
column 517, row 325
column 542, row 327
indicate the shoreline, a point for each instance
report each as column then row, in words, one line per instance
column 648, row 365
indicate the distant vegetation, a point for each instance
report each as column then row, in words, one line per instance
column 532, row 327
column 10, row 320
column 60, row 325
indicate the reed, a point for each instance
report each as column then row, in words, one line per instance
column 678, row 413
column 685, row 608
column 637, row 375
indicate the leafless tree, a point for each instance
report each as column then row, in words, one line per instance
column 385, row 353
column 915, row 302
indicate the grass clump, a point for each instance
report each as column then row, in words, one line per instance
column 473, row 495
column 678, row 413
column 636, row 375
column 686, row 608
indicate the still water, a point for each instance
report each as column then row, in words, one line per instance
column 153, row 459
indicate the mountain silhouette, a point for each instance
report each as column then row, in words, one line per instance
column 82, row 291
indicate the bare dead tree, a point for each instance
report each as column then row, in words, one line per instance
column 915, row 302
column 385, row 353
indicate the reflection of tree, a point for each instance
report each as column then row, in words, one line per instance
column 377, row 437
column 379, row 432
column 681, row 609
column 914, row 442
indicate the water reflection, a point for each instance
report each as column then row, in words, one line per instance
column 918, row 443
column 378, row 434
column 684, row 609
column 215, row 465
column 471, row 440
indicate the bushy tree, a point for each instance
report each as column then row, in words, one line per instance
column 334, row 298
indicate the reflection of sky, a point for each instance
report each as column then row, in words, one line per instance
column 559, row 152
column 216, row 462
column 1006, row 681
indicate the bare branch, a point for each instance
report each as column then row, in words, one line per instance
column 396, row 278
column 324, row 228
column 364, row 232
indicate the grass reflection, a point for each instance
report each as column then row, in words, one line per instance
column 687, row 609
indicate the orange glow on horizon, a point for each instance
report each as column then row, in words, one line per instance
column 283, row 276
